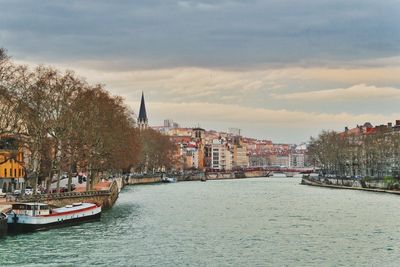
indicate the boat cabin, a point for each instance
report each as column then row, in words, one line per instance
column 31, row 209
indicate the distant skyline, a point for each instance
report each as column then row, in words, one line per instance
column 277, row 69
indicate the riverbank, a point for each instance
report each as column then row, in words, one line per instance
column 314, row 182
column 197, row 176
column 105, row 194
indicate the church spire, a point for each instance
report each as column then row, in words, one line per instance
column 142, row 119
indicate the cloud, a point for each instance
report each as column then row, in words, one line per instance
column 278, row 125
column 235, row 113
column 354, row 93
column 275, row 88
column 282, row 104
column 185, row 33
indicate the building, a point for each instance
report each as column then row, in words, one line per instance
column 180, row 132
column 240, row 157
column 198, row 135
column 298, row 156
column 297, row 160
column 142, row 120
column 191, row 154
column 168, row 123
column 258, row 161
column 234, row 131
column 203, row 150
column 11, row 164
column 221, row 157
column 280, row 160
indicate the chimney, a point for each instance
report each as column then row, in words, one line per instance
column 346, row 129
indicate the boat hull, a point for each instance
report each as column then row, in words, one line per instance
column 3, row 225
column 15, row 228
column 169, row 180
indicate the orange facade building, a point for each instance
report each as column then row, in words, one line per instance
column 11, row 163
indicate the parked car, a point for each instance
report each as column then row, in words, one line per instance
column 29, row 191
column 2, row 194
column 62, row 190
column 17, row 192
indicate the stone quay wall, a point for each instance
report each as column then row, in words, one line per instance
column 372, row 186
column 104, row 198
column 196, row 176
column 253, row 174
column 378, row 183
column 143, row 180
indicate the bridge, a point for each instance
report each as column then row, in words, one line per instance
column 267, row 169
column 286, row 169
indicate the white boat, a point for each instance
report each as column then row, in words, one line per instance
column 279, row 175
column 168, row 179
column 28, row 217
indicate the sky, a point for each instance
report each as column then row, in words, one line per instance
column 277, row 69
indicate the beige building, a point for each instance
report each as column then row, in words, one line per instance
column 221, row 157
column 280, row 160
column 240, row 157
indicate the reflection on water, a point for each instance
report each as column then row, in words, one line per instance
column 249, row 222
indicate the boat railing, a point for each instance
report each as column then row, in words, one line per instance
column 52, row 196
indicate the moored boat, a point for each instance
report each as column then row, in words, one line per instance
column 168, row 179
column 3, row 224
column 28, row 217
column 279, row 175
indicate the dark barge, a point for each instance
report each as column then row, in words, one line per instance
column 3, row 224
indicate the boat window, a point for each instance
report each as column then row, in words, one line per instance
column 20, row 207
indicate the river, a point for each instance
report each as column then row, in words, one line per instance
column 248, row 222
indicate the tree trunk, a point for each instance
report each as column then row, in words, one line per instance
column 69, row 181
column 88, row 179
column 36, row 166
column 58, row 179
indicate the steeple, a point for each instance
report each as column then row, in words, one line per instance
column 142, row 119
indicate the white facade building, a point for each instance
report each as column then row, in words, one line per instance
column 221, row 157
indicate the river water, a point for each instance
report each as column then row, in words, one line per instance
column 249, row 222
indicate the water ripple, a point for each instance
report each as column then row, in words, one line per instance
column 252, row 222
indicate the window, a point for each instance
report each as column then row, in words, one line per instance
column 10, row 172
column 15, row 172
column 5, row 172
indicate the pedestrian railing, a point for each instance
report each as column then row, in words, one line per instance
column 54, row 196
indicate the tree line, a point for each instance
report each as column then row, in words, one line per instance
column 375, row 154
column 67, row 125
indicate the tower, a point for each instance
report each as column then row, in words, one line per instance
column 198, row 135
column 142, row 119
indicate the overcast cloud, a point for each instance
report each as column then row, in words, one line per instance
column 278, row 61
